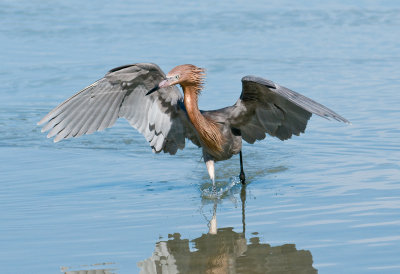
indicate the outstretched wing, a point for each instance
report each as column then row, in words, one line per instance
column 266, row 107
column 121, row 93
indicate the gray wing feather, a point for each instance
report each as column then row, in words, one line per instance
column 266, row 107
column 121, row 93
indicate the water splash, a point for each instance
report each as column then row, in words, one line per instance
column 222, row 189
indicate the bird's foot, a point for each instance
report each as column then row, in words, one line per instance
column 214, row 191
column 242, row 178
column 214, row 188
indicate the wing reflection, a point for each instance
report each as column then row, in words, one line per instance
column 90, row 269
column 223, row 250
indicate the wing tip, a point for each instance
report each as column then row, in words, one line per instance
column 336, row 117
column 44, row 119
column 342, row 119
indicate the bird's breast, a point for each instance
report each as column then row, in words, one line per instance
column 231, row 145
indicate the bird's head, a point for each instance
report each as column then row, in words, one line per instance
column 185, row 75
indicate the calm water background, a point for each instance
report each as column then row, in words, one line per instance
column 105, row 198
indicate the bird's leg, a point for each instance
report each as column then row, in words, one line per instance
column 242, row 177
column 210, row 169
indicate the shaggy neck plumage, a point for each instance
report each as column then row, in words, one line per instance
column 208, row 130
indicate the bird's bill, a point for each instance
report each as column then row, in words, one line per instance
column 162, row 84
column 153, row 90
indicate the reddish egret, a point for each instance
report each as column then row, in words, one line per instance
column 151, row 102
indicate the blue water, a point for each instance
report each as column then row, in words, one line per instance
column 104, row 201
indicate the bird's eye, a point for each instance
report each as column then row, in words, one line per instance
column 177, row 77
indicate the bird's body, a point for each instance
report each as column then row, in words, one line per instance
column 151, row 102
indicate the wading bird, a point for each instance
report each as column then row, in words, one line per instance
column 151, row 102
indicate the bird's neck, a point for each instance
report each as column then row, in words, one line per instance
column 208, row 131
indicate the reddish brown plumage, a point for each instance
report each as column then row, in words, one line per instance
column 189, row 76
column 191, row 79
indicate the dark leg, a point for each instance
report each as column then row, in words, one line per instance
column 242, row 177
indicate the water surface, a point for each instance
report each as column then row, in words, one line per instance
column 327, row 201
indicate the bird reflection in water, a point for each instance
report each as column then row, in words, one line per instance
column 223, row 250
